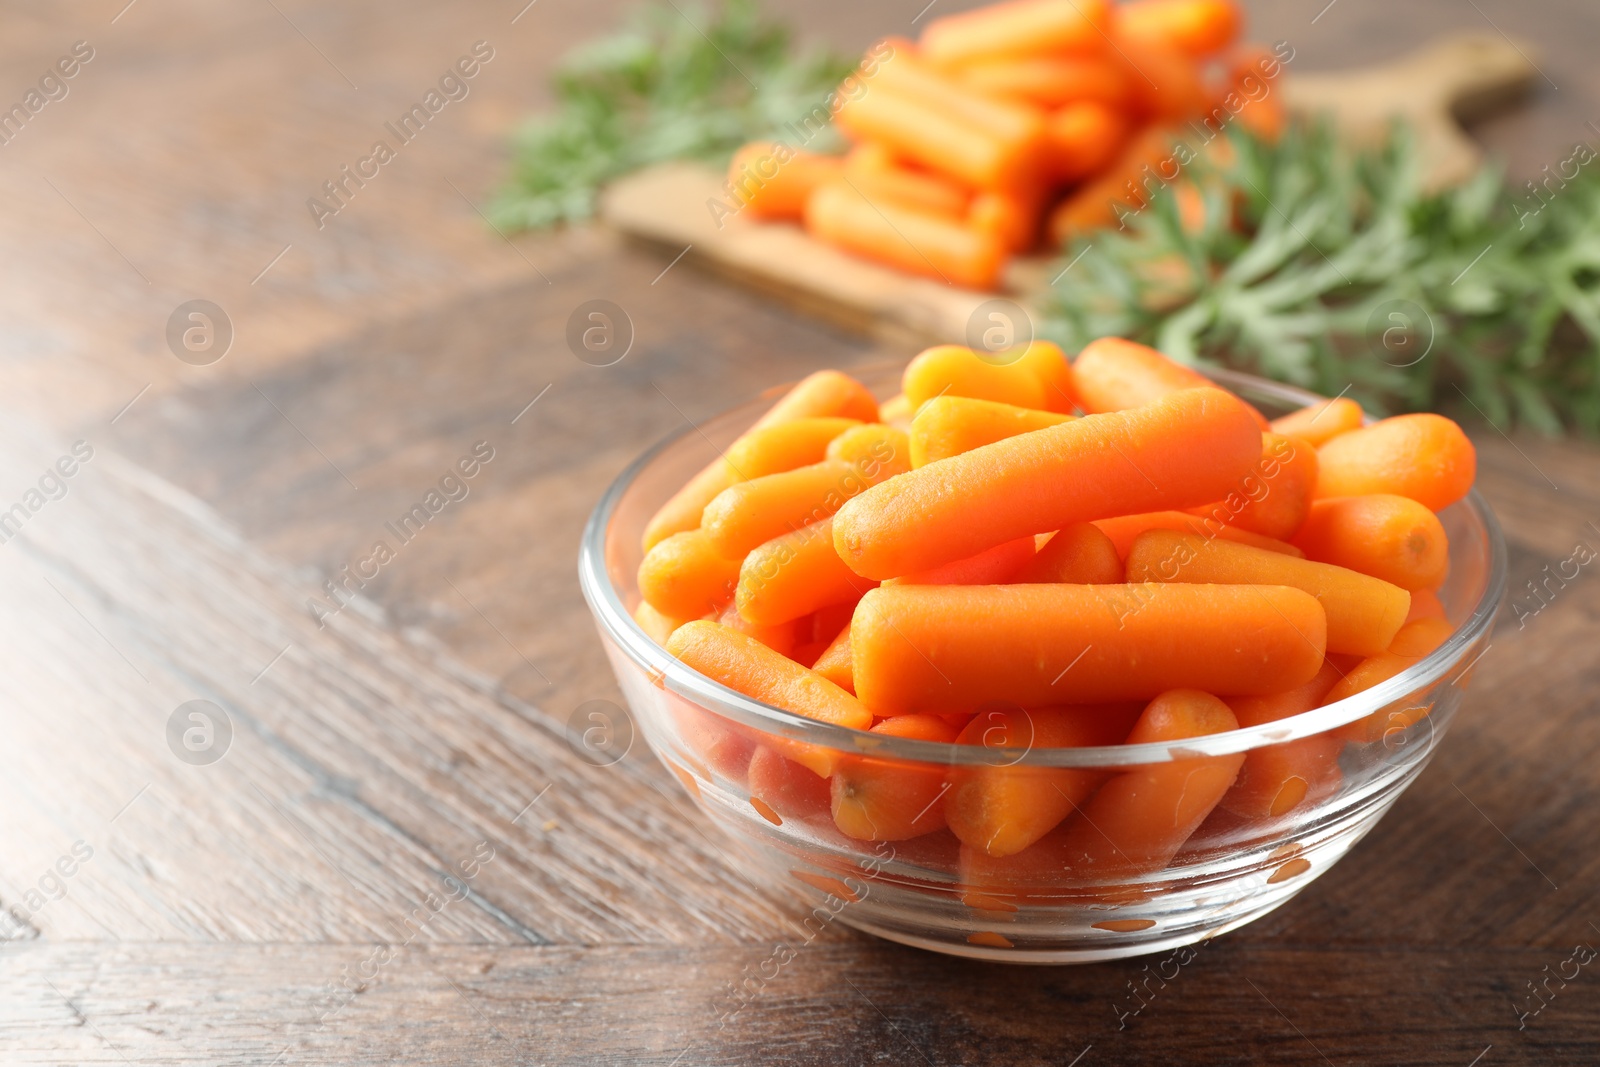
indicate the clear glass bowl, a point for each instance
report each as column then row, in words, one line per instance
column 1028, row 908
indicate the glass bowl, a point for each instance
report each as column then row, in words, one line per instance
column 930, row 892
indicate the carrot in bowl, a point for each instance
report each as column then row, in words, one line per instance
column 685, row 577
column 1111, row 374
column 1425, row 457
column 1321, row 422
column 950, row 425
column 746, row 665
column 1389, row 537
column 796, row 574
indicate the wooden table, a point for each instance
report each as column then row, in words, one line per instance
column 254, row 909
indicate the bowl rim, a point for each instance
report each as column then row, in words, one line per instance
column 616, row 623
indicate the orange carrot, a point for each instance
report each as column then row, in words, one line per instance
column 1167, row 84
column 881, row 799
column 1278, row 778
column 989, row 567
column 1251, row 71
column 772, row 181
column 1018, row 126
column 1194, row 27
column 879, row 451
column 746, row 665
column 720, row 743
column 1124, row 529
column 748, row 514
column 1364, row 613
column 1414, row 642
column 897, row 411
column 1051, row 81
column 685, row 577
column 1321, row 422
column 1425, row 457
column 945, row 144
column 951, row 648
column 1274, row 499
column 1117, row 190
column 1112, row 374
column 783, row 447
column 1081, row 138
column 1036, row 376
column 835, row 662
column 950, row 425
column 825, row 393
column 785, row 788
column 1004, row 808
column 1387, row 536
column 1080, row 554
column 1186, row 448
column 1016, row 29
column 658, row 626
column 1425, row 604
column 779, row 636
column 912, row 241
column 881, row 179
column 1010, row 217
column 1140, row 819
column 795, row 574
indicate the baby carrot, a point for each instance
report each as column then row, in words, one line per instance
column 784, row 446
column 1168, row 84
column 748, row 514
column 877, row 176
column 1184, row 449
column 989, row 567
column 1009, row 216
column 835, row 662
column 773, row 181
column 897, row 411
column 795, row 574
column 1425, row 604
column 1140, row 819
column 1050, row 81
column 1079, row 555
column 1017, row 126
column 685, row 577
column 825, row 393
column 951, row 648
column 880, row 799
column 1081, row 138
column 780, row 636
column 1279, row 778
column 913, row 241
column 1003, row 808
column 746, row 665
column 1387, row 536
column 950, row 425
column 1321, row 422
column 1016, row 29
column 1111, row 374
column 654, row 623
column 1411, row 645
column 1364, row 613
column 1425, row 457
column 1034, row 377
column 1124, row 529
column 722, row 744
column 785, row 788
column 1194, row 27
column 879, row 451
column 1105, row 198
column 945, row 144
column 1276, row 497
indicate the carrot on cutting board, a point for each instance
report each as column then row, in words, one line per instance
column 951, row 648
column 795, row 574
column 878, row 176
column 943, row 143
column 913, row 241
column 1389, row 537
column 1194, row 27
column 1081, row 138
column 1117, row 190
column 1139, row 819
column 1182, row 450
column 772, row 181
column 1276, row 497
column 1018, row 126
column 1034, row 376
column 1425, row 457
column 1111, row 374
column 1168, row 84
column 685, row 577
column 882, row 799
column 1124, row 529
column 1016, row 29
column 1011, row 217
column 1080, row 554
column 950, row 425
column 1364, row 613
column 1277, row 779
column 824, row 393
column 1051, row 81
column 1321, row 422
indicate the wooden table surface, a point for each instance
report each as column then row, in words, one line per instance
column 287, row 903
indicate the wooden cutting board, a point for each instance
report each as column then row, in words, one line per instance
column 1435, row 89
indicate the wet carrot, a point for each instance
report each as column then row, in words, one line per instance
column 795, row 574
column 783, row 447
column 1387, row 536
column 950, row 425
column 879, row 451
column 1124, row 529
column 912, row 241
column 1414, row 642
column 1425, row 457
column 943, row 143
column 835, row 662
column 1275, row 498
column 1050, row 81
column 1425, row 604
column 1186, row 448
column 746, row 665
column 1111, row 374
column 951, row 648
column 1003, row 808
column 748, row 514
column 1194, row 27
column 1364, row 613
column 780, row 635
column 1277, row 779
column 1081, row 138
column 1321, row 422
column 880, row 799
column 1016, row 29
column 685, row 577
column 1028, row 378
column 772, row 181
column 658, row 626
column 989, row 567
column 1139, row 819
column 785, row 788
column 1080, row 554
column 824, row 393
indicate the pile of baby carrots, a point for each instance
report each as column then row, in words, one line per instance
column 967, row 139
column 1020, row 552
